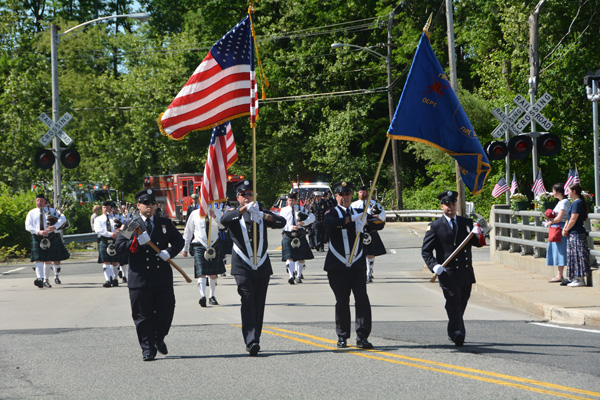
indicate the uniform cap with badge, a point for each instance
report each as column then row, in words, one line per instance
column 448, row 196
column 342, row 187
column 243, row 186
column 145, row 196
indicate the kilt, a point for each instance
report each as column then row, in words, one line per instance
column 205, row 267
column 56, row 252
column 103, row 256
column 226, row 242
column 376, row 248
column 300, row 253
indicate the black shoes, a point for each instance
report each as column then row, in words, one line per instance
column 370, row 279
column 202, row 302
column 39, row 283
column 115, row 282
column 291, row 281
column 363, row 344
column 120, row 274
column 57, row 281
column 459, row 340
column 162, row 347
column 299, row 280
column 213, row 301
column 107, row 284
column 47, row 284
column 149, row 355
column 124, row 279
column 342, row 342
column 253, row 349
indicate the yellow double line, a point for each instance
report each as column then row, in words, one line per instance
column 456, row 370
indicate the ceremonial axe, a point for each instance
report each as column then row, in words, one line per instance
column 485, row 229
column 134, row 227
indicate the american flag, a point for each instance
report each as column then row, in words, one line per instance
column 501, row 187
column 222, row 88
column 222, row 154
column 513, row 185
column 538, row 185
column 571, row 179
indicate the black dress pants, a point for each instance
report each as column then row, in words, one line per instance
column 343, row 282
column 253, row 295
column 152, row 311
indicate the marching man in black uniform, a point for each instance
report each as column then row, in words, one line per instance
column 46, row 243
column 150, row 275
column 252, row 279
column 294, row 246
column 376, row 214
column 317, row 233
column 443, row 236
column 343, row 224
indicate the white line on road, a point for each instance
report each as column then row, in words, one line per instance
column 12, row 270
column 564, row 327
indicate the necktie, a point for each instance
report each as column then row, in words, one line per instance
column 41, row 219
column 149, row 226
column 454, row 226
column 108, row 224
column 293, row 216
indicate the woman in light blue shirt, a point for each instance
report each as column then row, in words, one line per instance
column 557, row 251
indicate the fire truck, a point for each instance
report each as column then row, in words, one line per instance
column 174, row 192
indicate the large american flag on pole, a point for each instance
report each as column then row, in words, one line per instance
column 538, row 185
column 222, row 88
column 222, row 154
column 501, row 187
column 513, row 186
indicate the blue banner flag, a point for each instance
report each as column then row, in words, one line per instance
column 429, row 112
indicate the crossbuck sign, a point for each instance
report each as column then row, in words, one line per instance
column 56, row 129
column 532, row 113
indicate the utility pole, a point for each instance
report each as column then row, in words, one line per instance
column 396, row 155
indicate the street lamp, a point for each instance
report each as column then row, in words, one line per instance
column 54, row 40
column 593, row 94
column 388, row 62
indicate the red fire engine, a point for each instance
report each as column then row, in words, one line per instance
column 173, row 192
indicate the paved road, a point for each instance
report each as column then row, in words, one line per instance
column 77, row 339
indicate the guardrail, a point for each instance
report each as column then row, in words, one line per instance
column 524, row 232
column 81, row 238
column 412, row 215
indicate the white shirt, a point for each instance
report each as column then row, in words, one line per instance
column 32, row 221
column 289, row 215
column 360, row 205
column 196, row 228
column 100, row 226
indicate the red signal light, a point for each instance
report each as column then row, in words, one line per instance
column 520, row 146
column 548, row 144
column 44, row 159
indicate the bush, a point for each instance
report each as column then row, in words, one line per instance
column 13, row 211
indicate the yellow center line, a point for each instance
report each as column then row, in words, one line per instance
column 366, row 354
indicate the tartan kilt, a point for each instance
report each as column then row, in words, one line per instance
column 56, row 252
column 376, row 247
column 226, row 242
column 103, row 256
column 205, row 267
column 300, row 253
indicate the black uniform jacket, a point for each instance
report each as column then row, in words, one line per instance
column 335, row 227
column 440, row 239
column 146, row 269
column 231, row 220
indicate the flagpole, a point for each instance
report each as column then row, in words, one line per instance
column 387, row 142
column 254, row 187
column 209, row 229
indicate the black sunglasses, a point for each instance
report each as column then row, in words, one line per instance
column 448, row 202
column 148, row 202
column 246, row 194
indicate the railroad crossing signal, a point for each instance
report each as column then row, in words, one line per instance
column 56, row 129
column 506, row 121
column 533, row 112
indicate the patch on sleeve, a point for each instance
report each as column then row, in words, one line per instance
column 428, row 228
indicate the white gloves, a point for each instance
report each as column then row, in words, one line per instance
column 360, row 225
column 356, row 217
column 143, row 238
column 438, row 269
column 476, row 230
column 252, row 207
column 256, row 216
column 164, row 255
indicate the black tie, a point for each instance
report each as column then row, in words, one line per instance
column 41, row 219
column 108, row 224
column 454, row 227
column 293, row 216
column 149, row 226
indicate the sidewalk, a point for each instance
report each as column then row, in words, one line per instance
column 533, row 293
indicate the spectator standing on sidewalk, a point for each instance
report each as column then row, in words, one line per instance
column 557, row 251
column 578, row 254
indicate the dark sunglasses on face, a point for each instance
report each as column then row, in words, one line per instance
column 246, row 194
column 447, row 202
column 345, row 193
column 148, row 202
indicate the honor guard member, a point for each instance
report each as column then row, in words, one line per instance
column 442, row 237
column 318, row 208
column 46, row 243
column 150, row 275
column 208, row 258
column 294, row 246
column 343, row 225
column 376, row 220
column 105, row 227
column 252, row 279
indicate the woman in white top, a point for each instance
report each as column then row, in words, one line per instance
column 557, row 251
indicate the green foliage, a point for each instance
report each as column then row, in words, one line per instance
column 13, row 211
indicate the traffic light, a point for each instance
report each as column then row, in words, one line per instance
column 44, row 159
column 70, row 158
column 548, row 144
column 519, row 147
column 496, row 150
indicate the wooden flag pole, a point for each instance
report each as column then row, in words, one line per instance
column 370, row 196
column 255, row 227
